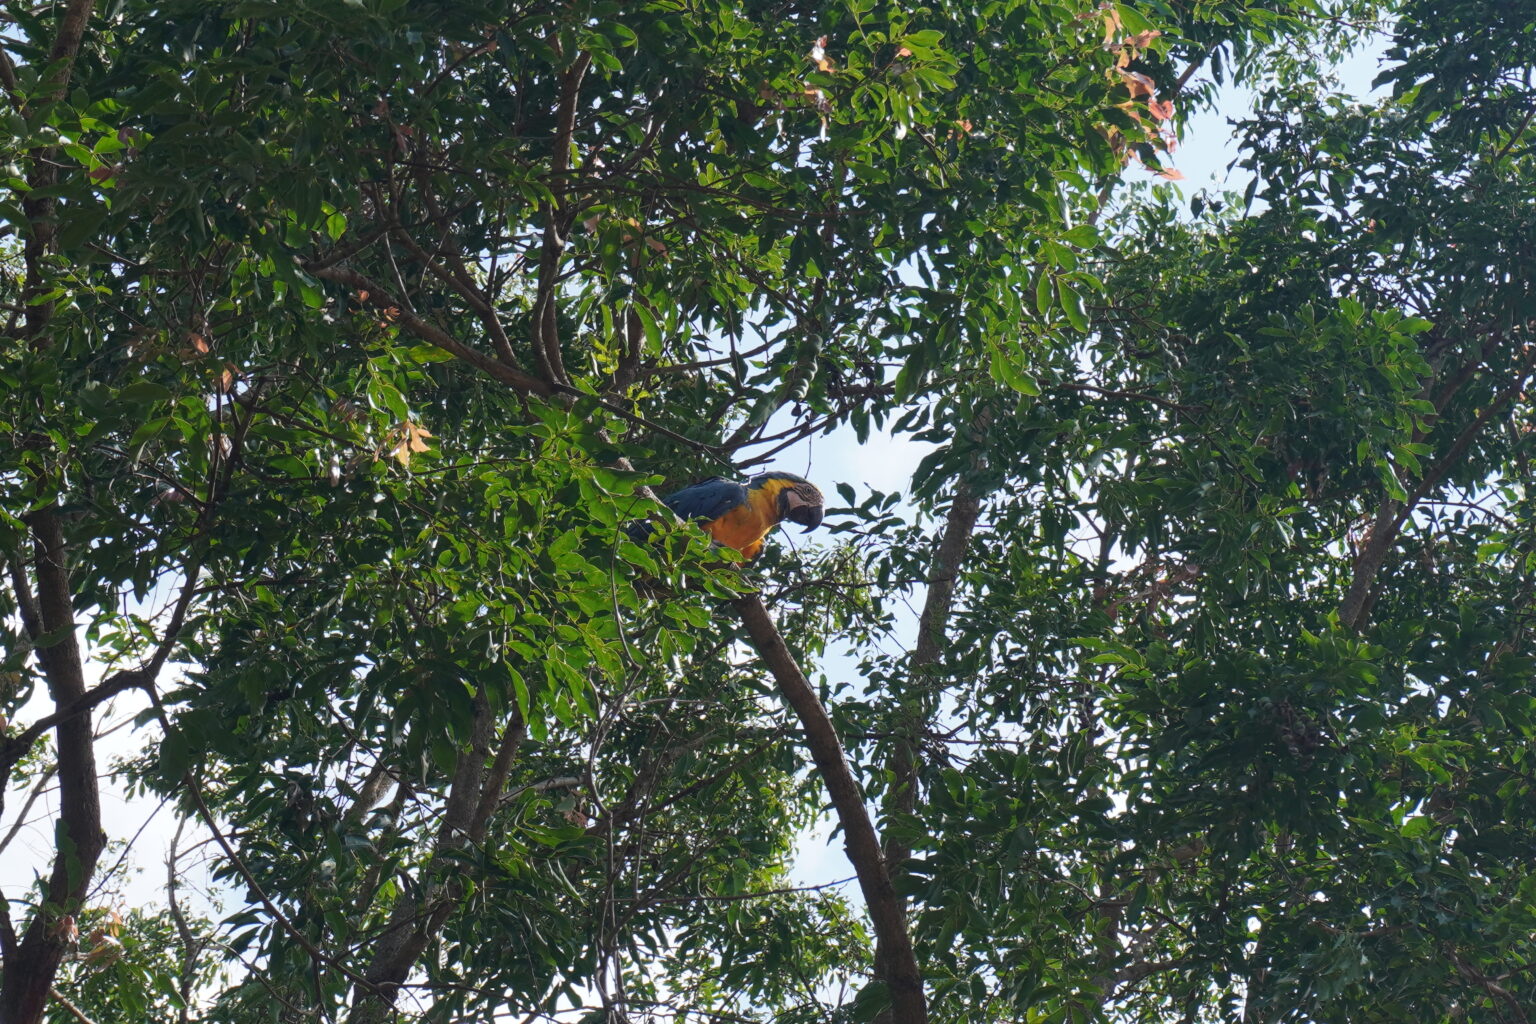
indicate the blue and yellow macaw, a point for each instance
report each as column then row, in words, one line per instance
column 740, row 516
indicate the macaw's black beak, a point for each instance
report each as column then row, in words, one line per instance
column 808, row 516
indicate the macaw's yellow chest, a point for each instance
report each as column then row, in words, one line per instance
column 743, row 528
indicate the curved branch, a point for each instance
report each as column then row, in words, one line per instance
column 380, row 298
column 546, row 328
column 16, row 747
column 893, row 952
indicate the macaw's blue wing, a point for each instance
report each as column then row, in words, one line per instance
column 706, row 500
column 702, row 502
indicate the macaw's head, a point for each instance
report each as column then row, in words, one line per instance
column 798, row 499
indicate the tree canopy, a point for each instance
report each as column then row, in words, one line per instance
column 345, row 337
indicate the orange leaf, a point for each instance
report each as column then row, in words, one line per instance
column 1171, row 174
column 104, row 949
column 903, row 52
column 1160, row 109
column 1141, row 39
column 1138, row 83
column 65, row 928
column 411, row 439
column 1111, row 24
column 193, row 346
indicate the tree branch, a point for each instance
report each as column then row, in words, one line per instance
column 8, row 939
column 194, row 790
column 380, row 298
column 74, row 1011
column 906, row 763
column 29, row 972
column 14, row 748
column 457, row 277
column 190, row 946
column 39, row 204
column 1355, row 608
column 546, row 327
column 496, row 778
column 416, row 919
column 894, row 952
column 8, row 82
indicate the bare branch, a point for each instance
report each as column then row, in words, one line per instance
column 546, row 328
column 380, row 298
column 74, row 1011
column 893, row 944
column 38, row 788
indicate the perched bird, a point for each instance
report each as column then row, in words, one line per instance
column 740, row 515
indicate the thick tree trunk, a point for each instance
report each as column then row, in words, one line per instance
column 32, row 963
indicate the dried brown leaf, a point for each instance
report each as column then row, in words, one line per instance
column 1112, row 25
column 1138, row 83
column 412, row 439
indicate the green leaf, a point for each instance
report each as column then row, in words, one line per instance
column 1072, row 305
column 1006, row 372
column 144, row 392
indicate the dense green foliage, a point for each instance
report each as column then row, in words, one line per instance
column 344, row 336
